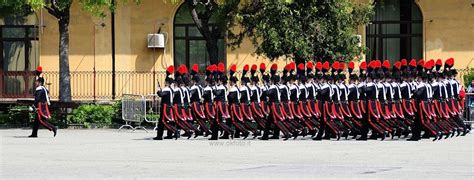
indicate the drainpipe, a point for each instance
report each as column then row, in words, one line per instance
column 113, row 50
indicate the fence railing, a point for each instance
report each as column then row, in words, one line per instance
column 95, row 85
column 85, row 85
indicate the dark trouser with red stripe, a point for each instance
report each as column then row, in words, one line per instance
column 364, row 130
column 416, row 126
column 43, row 122
column 268, row 126
column 161, row 127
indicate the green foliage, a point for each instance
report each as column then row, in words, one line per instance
column 101, row 7
column 301, row 29
column 16, row 116
column 468, row 78
column 117, row 108
column 96, row 7
column 99, row 115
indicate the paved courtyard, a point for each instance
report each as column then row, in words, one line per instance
column 108, row 154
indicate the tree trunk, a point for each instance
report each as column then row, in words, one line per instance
column 202, row 24
column 298, row 58
column 212, row 50
column 64, row 74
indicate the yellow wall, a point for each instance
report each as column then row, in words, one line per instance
column 448, row 32
column 133, row 23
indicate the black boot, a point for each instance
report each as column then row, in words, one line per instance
column 55, row 131
column 158, row 138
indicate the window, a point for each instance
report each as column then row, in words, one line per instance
column 189, row 44
column 19, row 46
column 396, row 31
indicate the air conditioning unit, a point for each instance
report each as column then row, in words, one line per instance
column 156, row 41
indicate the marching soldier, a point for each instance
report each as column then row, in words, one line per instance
column 220, row 101
column 383, row 98
column 41, row 106
column 196, row 94
column 166, row 111
column 208, row 101
column 256, row 94
column 245, row 108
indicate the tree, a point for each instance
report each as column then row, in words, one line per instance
column 60, row 10
column 202, row 11
column 301, row 29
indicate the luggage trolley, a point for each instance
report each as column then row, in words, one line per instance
column 133, row 111
column 152, row 114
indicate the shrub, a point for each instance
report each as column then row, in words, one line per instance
column 468, row 78
column 98, row 115
column 17, row 116
column 117, row 108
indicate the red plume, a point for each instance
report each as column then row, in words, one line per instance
column 342, row 65
column 195, row 68
column 326, row 65
column 319, row 66
column 274, row 67
column 309, row 65
column 398, row 65
column 377, row 64
column 350, row 65
column 254, row 67
column 287, row 67
column 301, row 66
column 246, row 67
column 386, row 64
column 263, row 67
column 403, row 62
column 335, row 65
column 292, row 66
column 233, row 68
column 185, row 69
column 429, row 65
column 363, row 65
column 439, row 62
column 413, row 63
column 421, row 62
column 450, row 62
column 220, row 67
column 214, row 67
column 39, row 69
column 170, row 70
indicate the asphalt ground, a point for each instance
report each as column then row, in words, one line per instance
column 109, row 154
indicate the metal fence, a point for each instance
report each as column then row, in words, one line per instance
column 96, row 85
column 85, row 85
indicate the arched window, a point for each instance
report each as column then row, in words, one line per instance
column 396, row 31
column 189, row 44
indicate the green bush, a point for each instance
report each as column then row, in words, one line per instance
column 117, row 108
column 88, row 115
column 17, row 116
column 468, row 78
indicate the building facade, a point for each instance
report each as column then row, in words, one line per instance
column 421, row 29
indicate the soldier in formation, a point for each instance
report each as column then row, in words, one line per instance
column 416, row 99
